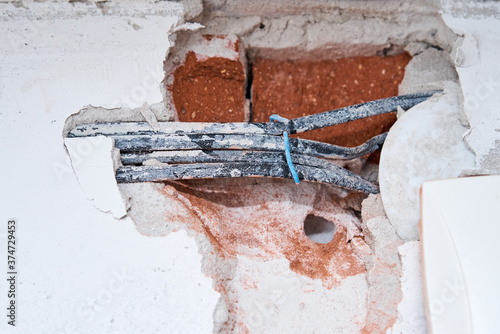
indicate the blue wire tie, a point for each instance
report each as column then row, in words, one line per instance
column 278, row 118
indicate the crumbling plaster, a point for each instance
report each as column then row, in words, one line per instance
column 475, row 54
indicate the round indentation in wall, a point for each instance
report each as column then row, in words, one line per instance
column 319, row 229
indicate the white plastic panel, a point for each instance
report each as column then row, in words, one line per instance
column 459, row 229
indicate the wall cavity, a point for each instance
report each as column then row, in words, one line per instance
column 274, row 249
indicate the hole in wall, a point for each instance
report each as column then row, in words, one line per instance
column 217, row 87
column 297, row 66
column 319, row 229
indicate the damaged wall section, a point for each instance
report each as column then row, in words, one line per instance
column 251, row 232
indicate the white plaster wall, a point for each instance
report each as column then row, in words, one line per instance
column 81, row 270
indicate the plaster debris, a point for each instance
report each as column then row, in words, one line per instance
column 424, row 144
column 94, row 167
column 154, row 215
column 338, row 30
column 93, row 115
column 192, row 9
column 383, row 267
column 411, row 309
column 149, row 116
column 251, row 235
column 190, row 26
column 400, row 112
column 429, row 69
